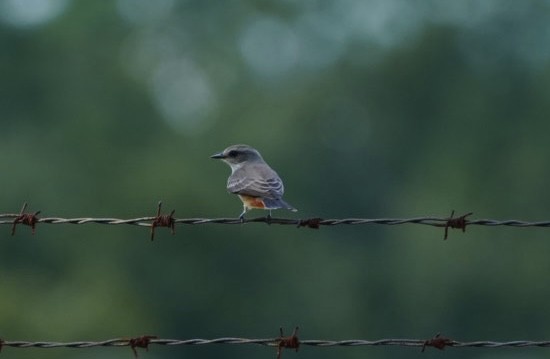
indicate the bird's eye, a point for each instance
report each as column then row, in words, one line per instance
column 232, row 154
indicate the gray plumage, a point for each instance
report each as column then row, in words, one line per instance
column 251, row 176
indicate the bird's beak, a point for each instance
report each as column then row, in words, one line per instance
column 218, row 156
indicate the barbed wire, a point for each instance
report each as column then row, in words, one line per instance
column 281, row 342
column 168, row 220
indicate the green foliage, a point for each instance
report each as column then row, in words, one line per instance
column 105, row 111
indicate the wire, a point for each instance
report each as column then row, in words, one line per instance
column 437, row 341
column 144, row 221
column 168, row 220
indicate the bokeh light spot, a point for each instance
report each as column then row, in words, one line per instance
column 183, row 94
column 29, row 13
column 269, row 47
column 143, row 11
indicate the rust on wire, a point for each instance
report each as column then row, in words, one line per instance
column 28, row 219
column 438, row 342
column 291, row 342
column 163, row 220
column 456, row 223
column 140, row 342
column 314, row 223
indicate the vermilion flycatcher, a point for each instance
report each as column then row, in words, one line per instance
column 256, row 184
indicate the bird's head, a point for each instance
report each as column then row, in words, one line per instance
column 237, row 154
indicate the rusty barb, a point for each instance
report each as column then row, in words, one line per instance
column 291, row 342
column 313, row 223
column 28, row 219
column 140, row 342
column 163, row 220
column 456, row 223
column 438, row 342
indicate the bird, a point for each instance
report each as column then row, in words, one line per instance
column 256, row 184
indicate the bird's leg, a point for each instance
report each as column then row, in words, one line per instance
column 241, row 217
column 268, row 217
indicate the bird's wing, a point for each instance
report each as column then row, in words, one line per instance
column 256, row 181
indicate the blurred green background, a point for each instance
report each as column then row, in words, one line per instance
column 365, row 108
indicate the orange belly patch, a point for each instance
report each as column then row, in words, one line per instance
column 252, row 202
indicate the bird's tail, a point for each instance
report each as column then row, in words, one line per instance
column 276, row 203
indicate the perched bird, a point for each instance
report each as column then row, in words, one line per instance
column 256, row 184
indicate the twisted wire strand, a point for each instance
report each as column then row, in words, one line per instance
column 123, row 342
column 146, row 221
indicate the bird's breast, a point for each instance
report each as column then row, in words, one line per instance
column 252, row 202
